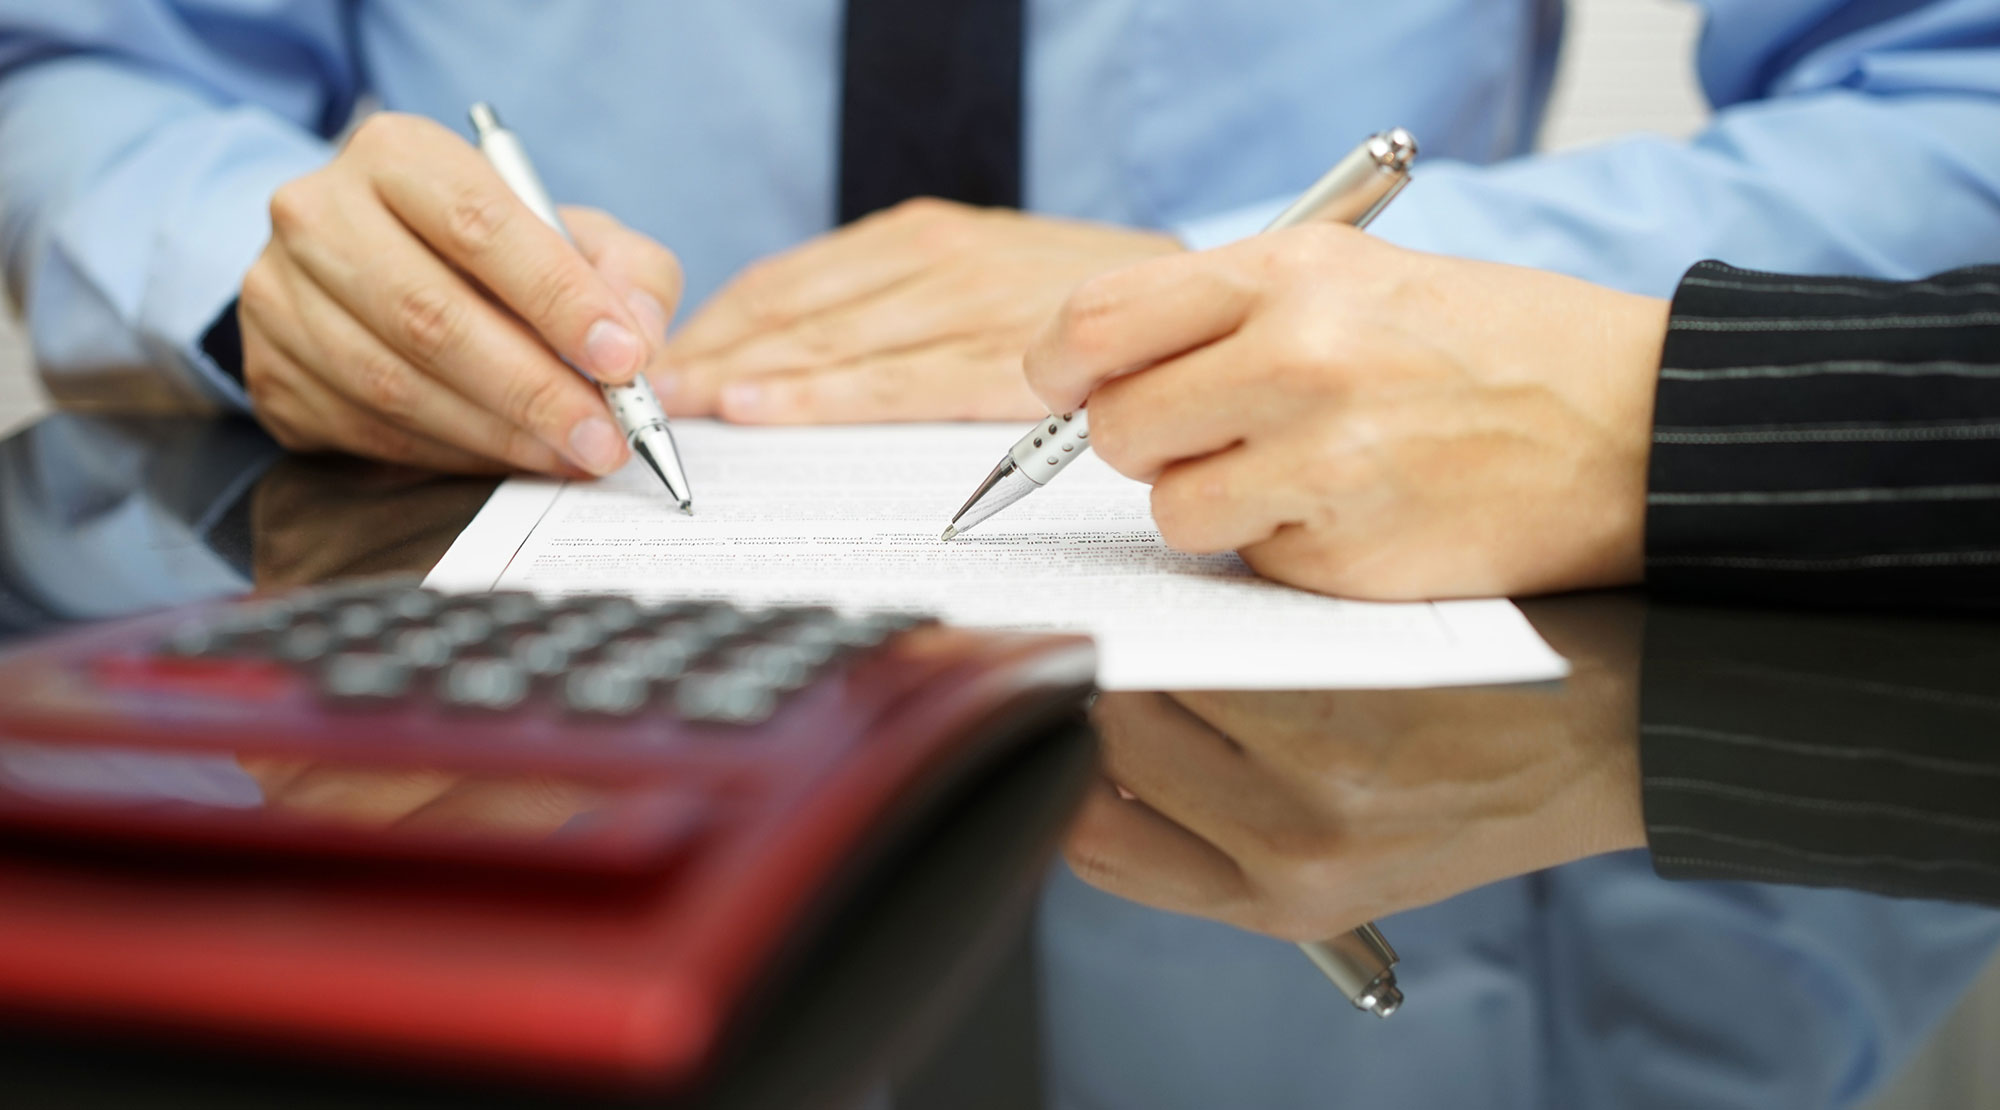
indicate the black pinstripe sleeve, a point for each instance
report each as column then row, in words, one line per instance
column 1829, row 440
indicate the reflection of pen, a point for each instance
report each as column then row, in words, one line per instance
column 637, row 409
column 1353, row 192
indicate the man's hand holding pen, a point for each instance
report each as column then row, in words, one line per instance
column 409, row 306
column 1368, row 421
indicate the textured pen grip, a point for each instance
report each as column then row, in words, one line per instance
column 634, row 405
column 1051, row 445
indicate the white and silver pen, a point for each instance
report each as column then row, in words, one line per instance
column 1361, row 963
column 1354, row 191
column 635, row 405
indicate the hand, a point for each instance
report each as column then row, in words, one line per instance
column 408, row 306
column 1303, row 815
column 919, row 312
column 1367, row 421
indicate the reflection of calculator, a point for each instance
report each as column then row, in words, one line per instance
column 567, row 835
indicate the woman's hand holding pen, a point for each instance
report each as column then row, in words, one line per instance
column 409, row 307
column 1368, row 421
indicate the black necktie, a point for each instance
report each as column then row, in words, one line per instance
column 930, row 103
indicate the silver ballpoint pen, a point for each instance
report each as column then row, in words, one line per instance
column 1361, row 963
column 1354, row 191
column 636, row 407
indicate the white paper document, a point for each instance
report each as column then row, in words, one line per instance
column 850, row 517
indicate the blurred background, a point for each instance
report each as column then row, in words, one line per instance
column 1627, row 67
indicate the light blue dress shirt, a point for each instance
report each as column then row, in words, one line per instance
column 140, row 140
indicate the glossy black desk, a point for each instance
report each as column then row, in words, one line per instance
column 103, row 517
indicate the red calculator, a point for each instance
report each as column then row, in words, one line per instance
column 571, row 837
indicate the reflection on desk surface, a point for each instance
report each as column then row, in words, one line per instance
column 1595, row 984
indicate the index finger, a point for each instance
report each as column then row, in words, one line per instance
column 1129, row 319
column 452, row 199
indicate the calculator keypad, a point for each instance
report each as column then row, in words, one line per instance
column 601, row 657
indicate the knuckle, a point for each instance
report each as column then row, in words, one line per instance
column 1174, row 513
column 291, row 208
column 262, row 289
column 383, row 381
column 557, row 292
column 430, row 321
column 475, row 218
column 535, row 400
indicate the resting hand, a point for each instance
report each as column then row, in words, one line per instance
column 409, row 307
column 919, row 312
column 1368, row 421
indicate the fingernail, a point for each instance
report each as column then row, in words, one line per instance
column 595, row 445
column 743, row 398
column 651, row 313
column 612, row 351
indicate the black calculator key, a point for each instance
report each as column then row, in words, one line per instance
column 489, row 684
column 364, row 677
column 605, row 689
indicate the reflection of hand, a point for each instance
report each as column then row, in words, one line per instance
column 1302, row 815
column 409, row 307
column 919, row 312
column 418, row 799
column 1368, row 421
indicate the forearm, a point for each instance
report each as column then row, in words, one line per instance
column 135, row 173
column 1829, row 440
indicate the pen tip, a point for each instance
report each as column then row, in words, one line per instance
column 687, row 507
column 950, row 533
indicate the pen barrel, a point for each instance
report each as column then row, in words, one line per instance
column 1358, row 186
column 1052, row 445
column 1362, row 965
column 509, row 159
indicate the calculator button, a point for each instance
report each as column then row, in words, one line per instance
column 465, row 627
column 490, row 684
column 612, row 614
column 358, row 621
column 515, row 610
column 726, row 698
column 362, row 677
column 606, row 690
column 540, row 654
column 425, row 649
column 577, row 632
column 305, row 642
column 413, row 606
column 657, row 657
column 772, row 664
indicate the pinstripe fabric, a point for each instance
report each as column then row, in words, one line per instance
column 1823, row 749
column 1829, row 440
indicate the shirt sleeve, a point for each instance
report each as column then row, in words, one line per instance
column 1764, row 756
column 1829, row 440
column 140, row 143
column 1848, row 138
